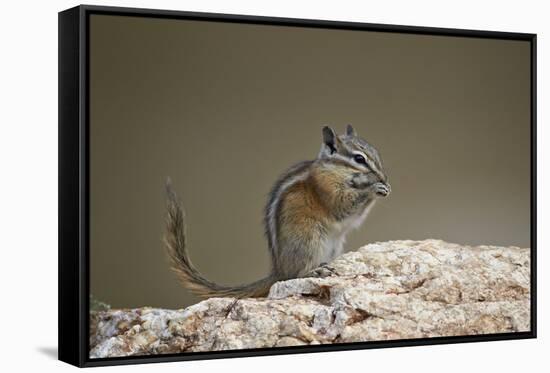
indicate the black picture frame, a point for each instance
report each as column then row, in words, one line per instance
column 74, row 271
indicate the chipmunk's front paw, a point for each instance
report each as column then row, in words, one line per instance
column 381, row 189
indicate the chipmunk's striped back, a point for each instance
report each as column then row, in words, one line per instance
column 295, row 174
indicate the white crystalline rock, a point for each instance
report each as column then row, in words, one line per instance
column 383, row 291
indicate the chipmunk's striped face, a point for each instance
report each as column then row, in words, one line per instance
column 356, row 153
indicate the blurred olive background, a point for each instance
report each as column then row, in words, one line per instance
column 224, row 108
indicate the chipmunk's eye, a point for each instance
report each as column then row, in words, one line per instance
column 359, row 159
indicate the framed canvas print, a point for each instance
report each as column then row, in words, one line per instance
column 233, row 186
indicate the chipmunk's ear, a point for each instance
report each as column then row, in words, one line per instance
column 350, row 131
column 330, row 140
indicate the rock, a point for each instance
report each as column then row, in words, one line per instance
column 383, row 291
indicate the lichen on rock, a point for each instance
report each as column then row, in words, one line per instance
column 384, row 291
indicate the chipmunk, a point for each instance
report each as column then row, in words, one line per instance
column 310, row 210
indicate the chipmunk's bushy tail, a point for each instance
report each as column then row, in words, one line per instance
column 190, row 277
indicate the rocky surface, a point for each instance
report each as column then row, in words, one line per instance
column 383, row 291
